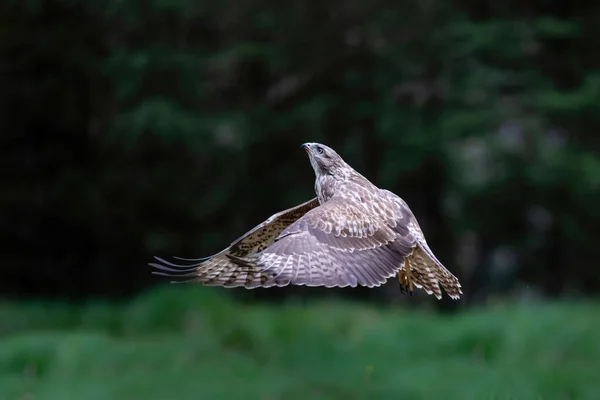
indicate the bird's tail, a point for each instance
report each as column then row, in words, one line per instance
column 429, row 274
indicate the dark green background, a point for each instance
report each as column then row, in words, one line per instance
column 170, row 127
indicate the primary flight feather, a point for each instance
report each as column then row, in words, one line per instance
column 352, row 233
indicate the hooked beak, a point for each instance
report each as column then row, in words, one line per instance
column 306, row 147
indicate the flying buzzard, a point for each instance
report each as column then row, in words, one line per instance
column 352, row 233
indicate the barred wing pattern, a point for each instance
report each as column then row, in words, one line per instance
column 359, row 237
column 351, row 234
column 224, row 269
column 339, row 244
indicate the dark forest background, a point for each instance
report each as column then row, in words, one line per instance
column 170, row 127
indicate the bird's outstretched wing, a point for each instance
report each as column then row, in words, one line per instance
column 222, row 269
column 343, row 242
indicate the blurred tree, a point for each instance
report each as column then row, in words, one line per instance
column 131, row 130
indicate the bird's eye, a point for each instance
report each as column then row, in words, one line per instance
column 320, row 150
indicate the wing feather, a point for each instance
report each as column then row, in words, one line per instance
column 361, row 236
column 340, row 243
column 224, row 269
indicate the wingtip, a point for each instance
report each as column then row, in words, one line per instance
column 175, row 270
column 192, row 259
column 179, row 266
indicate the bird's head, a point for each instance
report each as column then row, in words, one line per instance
column 325, row 161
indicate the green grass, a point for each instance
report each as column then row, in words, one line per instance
column 190, row 342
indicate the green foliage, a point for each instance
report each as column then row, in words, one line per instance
column 189, row 342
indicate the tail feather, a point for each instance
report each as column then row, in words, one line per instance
column 431, row 274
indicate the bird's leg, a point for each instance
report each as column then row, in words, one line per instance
column 404, row 277
column 409, row 278
column 400, row 280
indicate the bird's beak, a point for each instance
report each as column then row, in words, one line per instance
column 306, row 147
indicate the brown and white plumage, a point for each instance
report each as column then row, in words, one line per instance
column 352, row 233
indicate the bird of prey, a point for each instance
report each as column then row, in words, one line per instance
column 353, row 233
